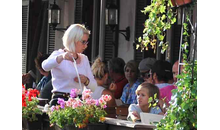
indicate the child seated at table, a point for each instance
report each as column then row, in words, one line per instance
column 144, row 92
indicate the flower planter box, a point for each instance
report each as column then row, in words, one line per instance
column 32, row 125
column 97, row 126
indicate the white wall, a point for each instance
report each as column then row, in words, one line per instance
column 127, row 18
column 67, row 18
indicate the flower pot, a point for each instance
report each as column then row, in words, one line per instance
column 96, row 126
column 32, row 125
column 180, row 2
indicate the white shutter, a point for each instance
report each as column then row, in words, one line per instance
column 25, row 13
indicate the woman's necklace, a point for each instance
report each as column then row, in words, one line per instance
column 76, row 56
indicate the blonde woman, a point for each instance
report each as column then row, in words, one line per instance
column 100, row 72
column 61, row 64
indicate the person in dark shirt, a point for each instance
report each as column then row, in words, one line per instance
column 117, row 76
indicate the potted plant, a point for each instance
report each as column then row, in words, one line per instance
column 31, row 114
column 79, row 113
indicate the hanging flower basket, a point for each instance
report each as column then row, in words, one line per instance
column 180, row 2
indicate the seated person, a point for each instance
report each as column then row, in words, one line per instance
column 46, row 75
column 160, row 74
column 116, row 73
column 144, row 92
column 131, row 74
column 31, row 77
column 144, row 67
column 28, row 79
column 167, row 91
column 100, row 72
column 45, row 92
column 176, row 70
column 44, row 86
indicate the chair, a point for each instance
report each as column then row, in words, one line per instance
column 122, row 112
column 111, row 112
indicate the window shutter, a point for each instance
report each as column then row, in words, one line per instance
column 78, row 11
column 139, row 26
column 51, row 40
column 25, row 13
column 140, row 19
column 109, row 47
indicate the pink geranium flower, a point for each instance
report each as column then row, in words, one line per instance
column 79, row 111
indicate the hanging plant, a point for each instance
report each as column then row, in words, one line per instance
column 182, row 112
column 161, row 17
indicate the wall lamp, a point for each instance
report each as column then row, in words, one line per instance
column 54, row 16
column 111, row 13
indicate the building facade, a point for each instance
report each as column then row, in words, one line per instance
column 37, row 35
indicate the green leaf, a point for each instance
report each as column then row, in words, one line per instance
column 163, row 17
column 147, row 9
column 155, row 96
column 150, row 99
column 173, row 20
column 139, row 39
column 162, row 8
column 160, row 37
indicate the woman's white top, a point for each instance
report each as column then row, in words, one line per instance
column 98, row 92
column 63, row 74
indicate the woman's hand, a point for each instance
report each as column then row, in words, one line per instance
column 83, row 79
column 65, row 56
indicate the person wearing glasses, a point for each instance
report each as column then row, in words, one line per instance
column 144, row 67
column 61, row 64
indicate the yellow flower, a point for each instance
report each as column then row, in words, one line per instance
column 102, row 119
column 82, row 125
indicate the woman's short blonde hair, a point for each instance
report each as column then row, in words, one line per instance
column 74, row 34
column 99, row 69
